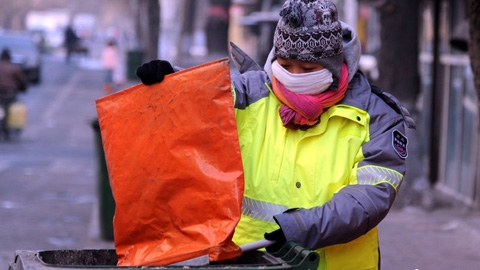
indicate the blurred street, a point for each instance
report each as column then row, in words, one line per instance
column 48, row 176
column 49, row 197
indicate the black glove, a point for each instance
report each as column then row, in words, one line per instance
column 279, row 239
column 154, row 71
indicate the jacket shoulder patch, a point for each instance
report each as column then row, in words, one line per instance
column 399, row 143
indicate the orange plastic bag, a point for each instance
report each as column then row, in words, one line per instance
column 175, row 167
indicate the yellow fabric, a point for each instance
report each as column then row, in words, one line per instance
column 290, row 168
column 17, row 115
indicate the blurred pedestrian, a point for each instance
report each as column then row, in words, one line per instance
column 71, row 41
column 12, row 81
column 110, row 62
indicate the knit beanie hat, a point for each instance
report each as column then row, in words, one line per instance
column 309, row 30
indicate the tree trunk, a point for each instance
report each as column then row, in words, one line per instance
column 474, row 53
column 217, row 27
column 153, row 29
column 474, row 43
column 398, row 54
column 148, row 27
column 398, row 65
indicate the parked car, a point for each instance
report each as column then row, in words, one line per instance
column 25, row 52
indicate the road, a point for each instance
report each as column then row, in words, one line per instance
column 48, row 185
column 48, row 177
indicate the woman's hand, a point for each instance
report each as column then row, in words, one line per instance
column 154, row 71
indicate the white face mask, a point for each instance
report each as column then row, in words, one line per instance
column 311, row 83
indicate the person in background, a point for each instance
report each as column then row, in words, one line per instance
column 12, row 81
column 323, row 150
column 110, row 62
column 217, row 26
column 71, row 41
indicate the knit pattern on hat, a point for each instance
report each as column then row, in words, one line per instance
column 309, row 30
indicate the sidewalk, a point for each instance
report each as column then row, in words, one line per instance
column 446, row 237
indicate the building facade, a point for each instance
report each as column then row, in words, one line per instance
column 449, row 100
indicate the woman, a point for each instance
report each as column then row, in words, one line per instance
column 110, row 62
column 323, row 150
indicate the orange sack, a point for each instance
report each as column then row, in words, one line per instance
column 174, row 166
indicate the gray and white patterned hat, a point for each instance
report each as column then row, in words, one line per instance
column 309, row 30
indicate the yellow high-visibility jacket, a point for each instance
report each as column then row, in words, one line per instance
column 340, row 176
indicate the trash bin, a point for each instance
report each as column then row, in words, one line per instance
column 134, row 60
column 105, row 197
column 291, row 256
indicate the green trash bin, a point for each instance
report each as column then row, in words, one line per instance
column 105, row 196
column 134, row 60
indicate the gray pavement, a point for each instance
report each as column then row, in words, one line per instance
column 443, row 238
column 49, row 200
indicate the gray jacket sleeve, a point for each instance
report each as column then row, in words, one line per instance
column 351, row 213
column 249, row 87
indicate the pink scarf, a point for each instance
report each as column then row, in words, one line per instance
column 303, row 111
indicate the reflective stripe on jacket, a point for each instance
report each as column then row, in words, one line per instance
column 341, row 195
